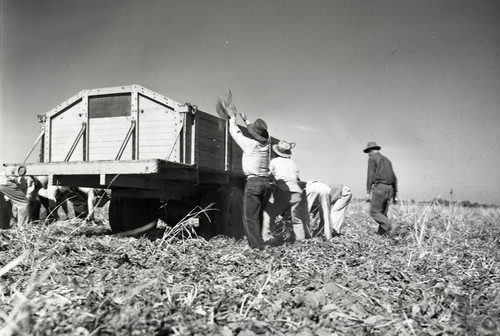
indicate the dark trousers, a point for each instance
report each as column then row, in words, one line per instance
column 5, row 212
column 379, row 205
column 257, row 193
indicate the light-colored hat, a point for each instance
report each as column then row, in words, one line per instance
column 258, row 130
column 284, row 148
column 370, row 146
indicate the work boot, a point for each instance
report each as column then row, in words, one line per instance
column 395, row 229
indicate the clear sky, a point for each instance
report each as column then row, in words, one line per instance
column 421, row 78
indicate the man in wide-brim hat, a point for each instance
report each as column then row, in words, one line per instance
column 255, row 165
column 381, row 188
column 370, row 146
column 288, row 194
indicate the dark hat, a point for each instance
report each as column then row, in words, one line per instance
column 370, row 146
column 284, row 148
column 258, row 130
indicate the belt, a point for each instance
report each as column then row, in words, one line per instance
column 257, row 176
column 389, row 184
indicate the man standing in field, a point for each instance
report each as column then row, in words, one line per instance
column 255, row 165
column 381, row 187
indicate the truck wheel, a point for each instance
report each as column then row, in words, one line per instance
column 4, row 213
column 230, row 203
column 173, row 212
column 208, row 219
column 133, row 216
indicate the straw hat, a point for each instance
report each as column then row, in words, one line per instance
column 284, row 148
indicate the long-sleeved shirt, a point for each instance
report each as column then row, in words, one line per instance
column 286, row 169
column 255, row 159
column 380, row 171
column 11, row 189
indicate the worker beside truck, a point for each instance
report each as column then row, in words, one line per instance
column 156, row 150
column 24, row 198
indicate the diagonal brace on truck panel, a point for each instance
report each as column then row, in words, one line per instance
column 78, row 137
column 126, row 140
column 42, row 133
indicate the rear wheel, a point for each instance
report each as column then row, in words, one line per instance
column 209, row 219
column 4, row 213
column 230, row 202
column 133, row 216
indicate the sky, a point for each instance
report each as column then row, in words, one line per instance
column 420, row 78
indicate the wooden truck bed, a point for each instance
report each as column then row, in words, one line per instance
column 131, row 130
column 159, row 157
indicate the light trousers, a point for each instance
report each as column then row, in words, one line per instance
column 333, row 211
column 338, row 209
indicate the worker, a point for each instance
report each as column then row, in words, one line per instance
column 19, row 196
column 381, row 188
column 331, row 202
column 13, row 198
column 288, row 194
column 83, row 200
column 255, row 165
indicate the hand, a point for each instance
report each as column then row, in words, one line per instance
column 232, row 111
column 244, row 117
column 229, row 104
column 221, row 110
column 395, row 199
column 367, row 197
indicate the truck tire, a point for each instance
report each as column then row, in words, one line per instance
column 209, row 219
column 230, row 202
column 174, row 211
column 133, row 216
column 4, row 213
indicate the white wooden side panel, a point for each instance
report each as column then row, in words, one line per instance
column 64, row 129
column 106, row 136
column 158, row 131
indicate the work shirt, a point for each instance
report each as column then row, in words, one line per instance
column 255, row 159
column 380, row 171
column 286, row 170
column 335, row 192
column 332, row 192
column 11, row 189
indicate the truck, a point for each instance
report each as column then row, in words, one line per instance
column 158, row 157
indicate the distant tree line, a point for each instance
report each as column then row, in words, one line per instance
column 444, row 202
column 466, row 204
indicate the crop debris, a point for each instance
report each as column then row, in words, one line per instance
column 440, row 277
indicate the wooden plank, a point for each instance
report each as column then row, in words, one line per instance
column 109, row 133
column 219, row 127
column 106, row 153
column 152, row 128
column 211, row 137
column 158, row 98
column 106, row 136
column 95, row 167
column 156, row 117
column 208, row 137
column 65, row 127
column 159, row 129
column 167, row 139
column 212, row 155
column 73, row 101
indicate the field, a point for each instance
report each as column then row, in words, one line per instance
column 440, row 277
